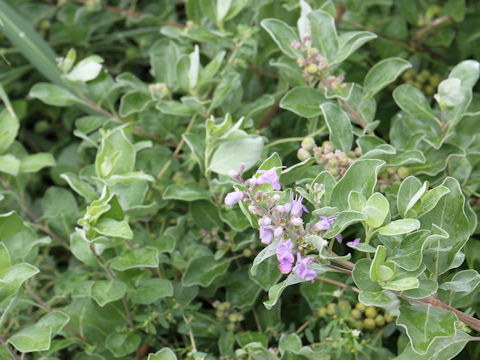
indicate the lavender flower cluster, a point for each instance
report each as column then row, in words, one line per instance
column 282, row 222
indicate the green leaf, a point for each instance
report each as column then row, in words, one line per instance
column 339, row 126
column 32, row 339
column 383, row 73
column 361, row 276
column 231, row 153
column 163, row 354
column 342, row 221
column 467, row 71
column 402, row 284
column 283, row 35
column 10, row 224
column 134, row 102
column 425, row 289
column 324, row 34
column 408, row 188
column 424, row 324
column 186, row 192
column 277, row 290
column 429, row 200
column 205, row 215
column 79, row 186
column 174, row 108
column 116, row 155
column 9, row 164
column 267, row 273
column 203, row 270
column 361, row 176
column 462, row 281
column 356, row 201
column 304, row 101
column 55, row 320
column 263, row 255
column 449, row 215
column 224, row 88
column 53, row 95
column 114, row 228
column 86, row 69
column 122, row 344
column 289, row 342
column 410, row 252
column 36, row 162
column 106, row 291
column 139, row 258
column 350, row 41
column 399, row 227
column 371, row 298
column 412, row 101
column 439, row 349
column 4, row 260
column 376, row 210
column 241, row 291
column 150, row 290
column 8, row 129
column 378, row 260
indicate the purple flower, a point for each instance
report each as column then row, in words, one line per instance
column 339, row 238
column 269, row 176
column 266, row 234
column 302, row 270
column 324, row 223
column 297, row 207
column 284, row 256
column 354, row 242
column 234, row 197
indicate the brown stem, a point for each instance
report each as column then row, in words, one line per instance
column 42, row 304
column 9, row 349
column 340, row 11
column 37, row 223
column 353, row 113
column 114, row 277
column 339, row 284
column 269, row 115
column 429, row 27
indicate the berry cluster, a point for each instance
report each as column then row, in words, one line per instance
column 334, row 161
column 424, row 81
column 224, row 311
column 315, row 68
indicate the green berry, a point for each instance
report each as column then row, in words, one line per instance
column 388, row 318
column 403, row 172
column 359, row 325
column 359, row 306
column 322, row 311
column 370, row 312
column 303, row 154
column 380, row 320
column 369, row 324
column 308, row 143
column 344, row 304
column 429, row 90
column 356, row 314
column 331, row 309
column 435, row 80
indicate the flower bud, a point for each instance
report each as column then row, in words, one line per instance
column 312, row 68
column 308, row 143
column 234, row 197
column 303, row 154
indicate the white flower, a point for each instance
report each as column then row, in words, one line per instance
column 356, row 333
column 337, row 293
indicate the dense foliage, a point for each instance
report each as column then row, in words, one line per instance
column 238, row 179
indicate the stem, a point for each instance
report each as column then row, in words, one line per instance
column 190, row 333
column 353, row 113
column 182, row 141
column 43, row 305
column 293, row 139
column 114, row 277
column 339, row 284
column 9, row 349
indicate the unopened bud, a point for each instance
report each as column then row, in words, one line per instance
column 308, row 143
column 303, row 154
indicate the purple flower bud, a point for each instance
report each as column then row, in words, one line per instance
column 234, row 197
column 324, row 224
column 266, row 234
column 339, row 238
column 297, row 208
column 233, row 174
column 278, row 232
column 254, row 209
column 302, row 270
column 296, row 221
column 354, row 242
column 269, row 176
column 295, row 44
column 264, row 221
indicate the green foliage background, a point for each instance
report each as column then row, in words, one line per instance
column 120, row 123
